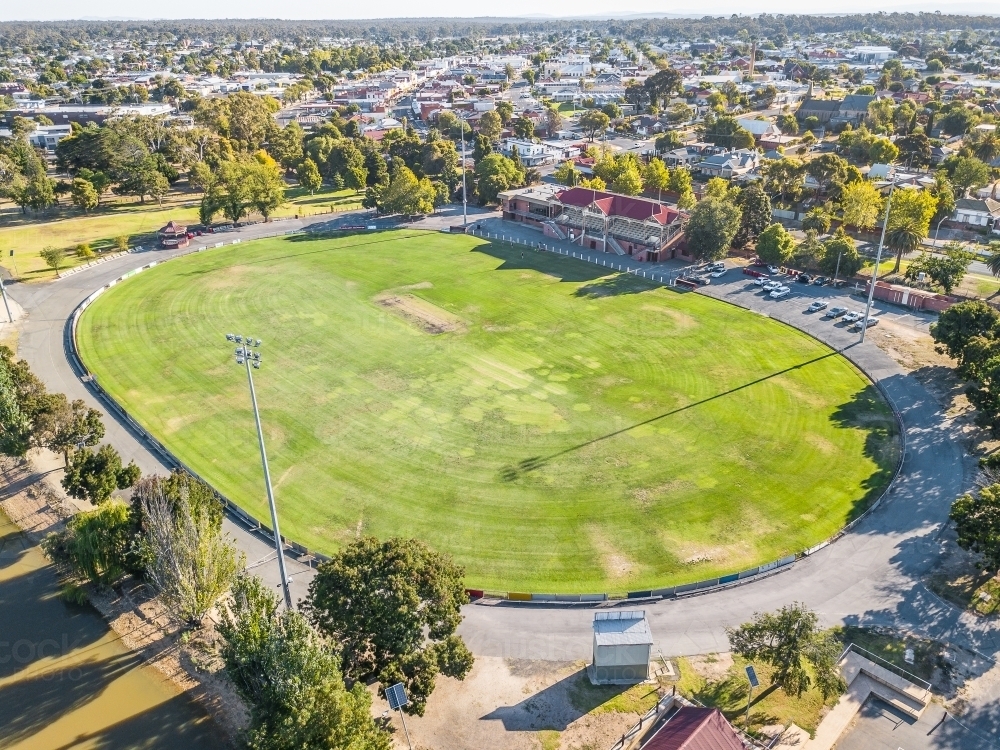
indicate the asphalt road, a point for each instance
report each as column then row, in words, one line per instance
column 872, row 576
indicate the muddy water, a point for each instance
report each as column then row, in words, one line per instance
column 65, row 679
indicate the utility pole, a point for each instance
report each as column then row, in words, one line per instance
column 878, row 259
column 245, row 356
column 465, row 198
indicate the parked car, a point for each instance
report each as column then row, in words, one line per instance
column 771, row 286
column 717, row 266
column 781, row 291
column 852, row 316
column 859, row 324
column 816, row 306
column 773, row 269
column 703, row 279
column 836, row 312
column 805, row 278
column 717, row 274
column 762, row 279
column 820, row 280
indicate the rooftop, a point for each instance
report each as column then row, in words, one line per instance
column 628, row 628
column 694, row 728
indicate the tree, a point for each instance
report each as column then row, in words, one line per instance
column 909, row 221
column 309, row 176
column 915, row 148
column 959, row 326
column 977, row 521
column 407, row 195
column 553, row 120
column 628, row 181
column 15, row 423
column 680, row 181
column 817, row 220
column 711, row 228
column 969, row 173
column 882, row 151
column 840, row 256
column 986, row 145
column 787, row 124
column 593, row 122
column 810, row 251
column 612, row 110
column 265, row 187
column 98, row 543
column 94, row 475
column 784, row 176
column 505, row 109
column 946, row 270
column 53, row 257
column 490, row 125
column 191, row 562
column 755, row 214
column 285, row 145
column 524, row 128
column 717, row 187
column 775, row 245
column 494, row 174
column 656, row 177
column 566, row 174
column 393, row 606
column 529, row 75
column 726, row 131
column 861, row 203
column 786, row 640
column 84, row 195
column 247, row 119
column 827, row 170
column 62, row 426
column 290, row 677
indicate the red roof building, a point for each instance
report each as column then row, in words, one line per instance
column 646, row 230
column 693, row 728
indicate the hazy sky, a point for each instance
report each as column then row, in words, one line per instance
column 318, row 9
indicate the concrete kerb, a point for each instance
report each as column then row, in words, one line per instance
column 262, row 530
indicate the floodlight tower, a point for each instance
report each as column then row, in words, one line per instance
column 247, row 354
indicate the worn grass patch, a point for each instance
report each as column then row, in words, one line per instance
column 892, row 647
column 551, row 441
column 603, row 699
column 549, row 739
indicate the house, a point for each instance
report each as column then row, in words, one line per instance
column 647, row 125
column 622, row 641
column 695, row 728
column 760, row 129
column 978, row 212
column 48, row 136
column 530, row 153
column 644, row 229
column 729, row 164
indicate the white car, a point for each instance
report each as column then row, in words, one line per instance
column 852, row 316
column 816, row 306
column 717, row 274
column 773, row 269
column 781, row 291
column 759, row 281
column 771, row 286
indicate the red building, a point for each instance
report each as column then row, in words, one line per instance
column 645, row 229
column 173, row 235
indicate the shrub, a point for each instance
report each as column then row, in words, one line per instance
column 83, row 250
column 121, row 242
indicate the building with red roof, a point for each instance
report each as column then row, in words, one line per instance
column 694, row 728
column 645, row 229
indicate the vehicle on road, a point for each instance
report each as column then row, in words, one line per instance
column 836, row 312
column 868, row 323
column 771, row 286
column 780, row 292
column 852, row 316
column 816, row 306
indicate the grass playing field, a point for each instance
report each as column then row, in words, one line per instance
column 554, row 428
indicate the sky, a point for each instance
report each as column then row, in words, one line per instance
column 19, row 10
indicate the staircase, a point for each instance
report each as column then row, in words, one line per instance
column 613, row 244
column 556, row 229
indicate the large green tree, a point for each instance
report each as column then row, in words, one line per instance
column 775, row 245
column 755, row 214
column 711, row 228
column 977, row 520
column 94, row 475
column 393, row 606
column 788, row 640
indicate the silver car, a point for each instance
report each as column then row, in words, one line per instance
column 771, row 286
column 852, row 316
column 781, row 291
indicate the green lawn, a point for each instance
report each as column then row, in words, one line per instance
column 571, row 432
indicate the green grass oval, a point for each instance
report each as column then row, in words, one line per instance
column 553, row 427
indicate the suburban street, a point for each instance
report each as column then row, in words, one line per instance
column 873, row 575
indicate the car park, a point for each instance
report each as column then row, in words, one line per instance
column 816, row 306
column 836, row 312
column 852, row 316
column 804, row 278
column 780, row 292
column 771, row 286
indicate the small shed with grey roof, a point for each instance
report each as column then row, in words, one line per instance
column 622, row 642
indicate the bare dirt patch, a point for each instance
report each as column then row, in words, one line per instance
column 425, row 315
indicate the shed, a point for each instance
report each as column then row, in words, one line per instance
column 693, row 728
column 622, row 642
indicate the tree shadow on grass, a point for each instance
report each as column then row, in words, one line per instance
column 869, row 411
column 620, row 283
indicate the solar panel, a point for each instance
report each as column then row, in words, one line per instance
column 396, row 695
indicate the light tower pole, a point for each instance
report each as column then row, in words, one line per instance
column 878, row 259
column 246, row 355
column 465, row 199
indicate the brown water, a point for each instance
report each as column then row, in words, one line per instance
column 65, row 679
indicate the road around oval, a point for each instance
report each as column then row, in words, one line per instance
column 552, row 427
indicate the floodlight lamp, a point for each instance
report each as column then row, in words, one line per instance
column 239, row 339
column 258, row 342
column 256, row 355
column 256, row 365
column 229, row 337
column 239, row 361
